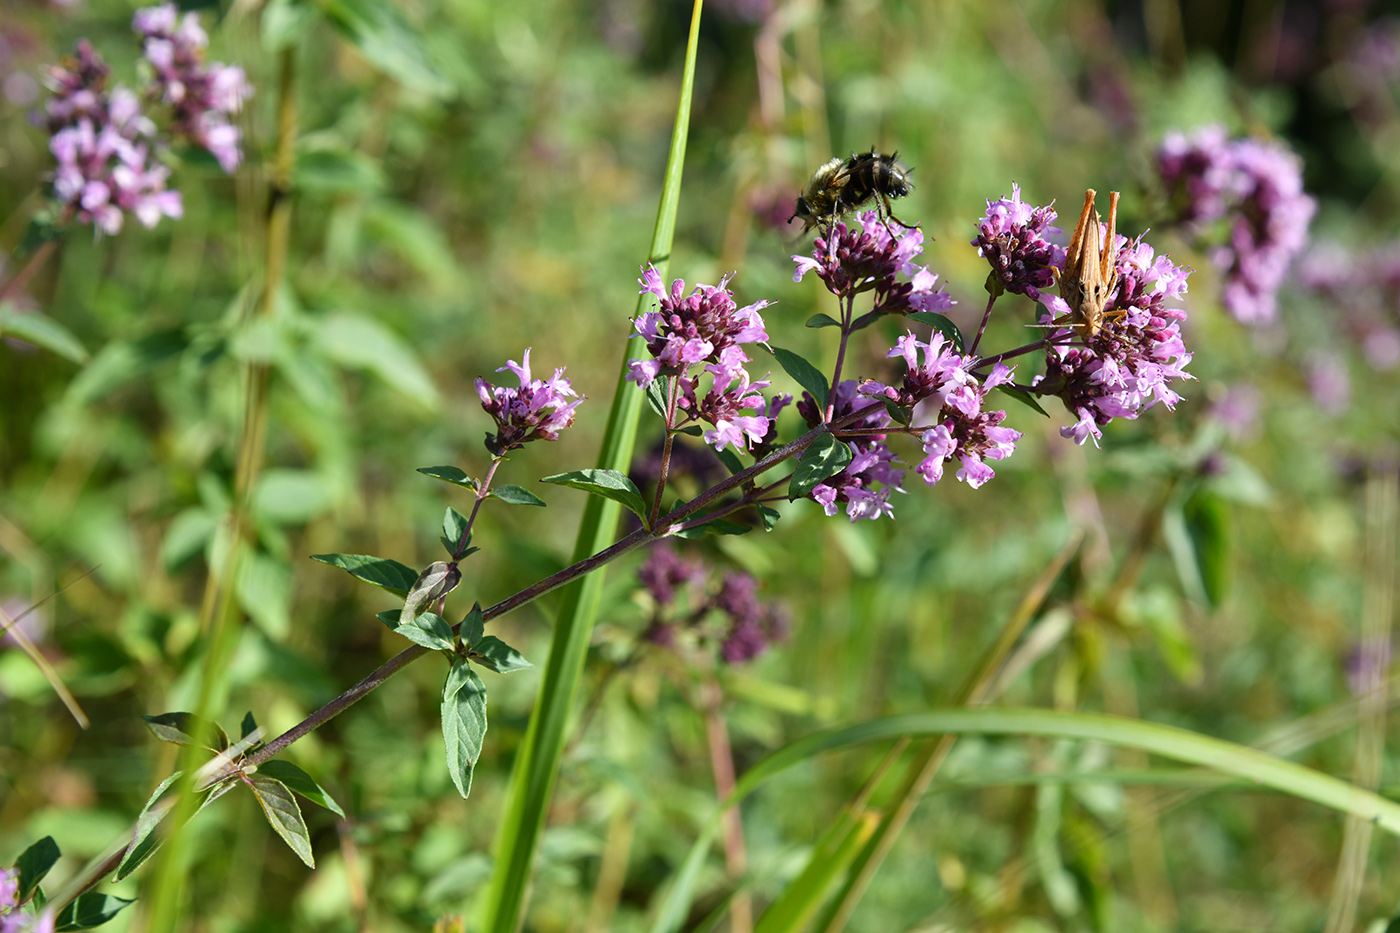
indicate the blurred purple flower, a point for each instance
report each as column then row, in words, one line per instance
column 100, row 141
column 1367, row 665
column 11, row 919
column 1259, row 187
column 1011, row 237
column 753, row 625
column 1329, row 383
column 538, row 410
column 202, row 96
column 1237, row 410
column 664, row 571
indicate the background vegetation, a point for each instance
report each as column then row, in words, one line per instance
column 478, row 177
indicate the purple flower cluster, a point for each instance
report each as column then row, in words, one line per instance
column 105, row 145
column 1258, row 186
column 1126, row 367
column 1011, row 236
column 944, row 393
column 537, row 411
column 734, row 618
column 864, row 486
column 101, row 142
column 11, row 919
column 851, row 261
column 201, row 95
column 706, row 326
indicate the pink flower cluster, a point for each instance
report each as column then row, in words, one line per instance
column 1129, row 365
column 1258, row 186
column 733, row 619
column 867, row 258
column 1011, row 237
column 101, row 142
column 865, row 485
column 705, row 327
column 536, row 411
column 203, row 96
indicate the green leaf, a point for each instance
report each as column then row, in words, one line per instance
column 610, row 484
column 292, row 497
column 387, row 40
column 731, row 461
column 805, row 374
column 248, row 726
column 450, row 474
column 186, row 537
column 327, row 167
column 40, row 230
column 299, row 781
column 824, row 458
column 1024, row 397
column 429, row 630
column 382, row 572
column 517, row 495
column 822, row 320
column 463, row 722
column 437, row 580
column 121, row 362
column 43, row 331
column 693, row 430
column 187, row 729
column 358, row 341
column 454, row 531
column 143, row 843
column 283, row 815
column 656, row 398
column 898, row 414
column 263, row 585
column 770, row 516
column 495, row 655
column 390, row 617
column 472, row 627
column 718, row 526
column 941, row 324
column 89, row 910
column 1208, row 524
column 33, row 864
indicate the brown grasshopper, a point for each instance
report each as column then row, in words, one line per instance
column 1090, row 274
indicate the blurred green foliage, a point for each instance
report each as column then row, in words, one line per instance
column 473, row 178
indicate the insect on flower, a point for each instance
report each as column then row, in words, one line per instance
column 1090, row 274
column 843, row 185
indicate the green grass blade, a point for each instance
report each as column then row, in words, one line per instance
column 537, row 764
column 1259, row 769
column 831, row 856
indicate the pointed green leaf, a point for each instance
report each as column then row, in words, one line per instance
column 450, row 474
column 437, row 580
column 472, row 627
column 942, row 325
column 770, row 516
column 826, row 457
column 463, row 722
column 454, row 531
column 822, row 320
column 248, row 726
column 42, row 331
column 89, row 910
column 1208, row 524
column 1024, row 397
column 656, row 397
column 187, row 729
column 300, row 782
column 143, row 842
column 388, row 574
column 33, row 864
column 805, row 374
column 610, row 484
column 283, row 814
column 693, row 430
column 429, row 630
column 495, row 655
column 516, row 495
